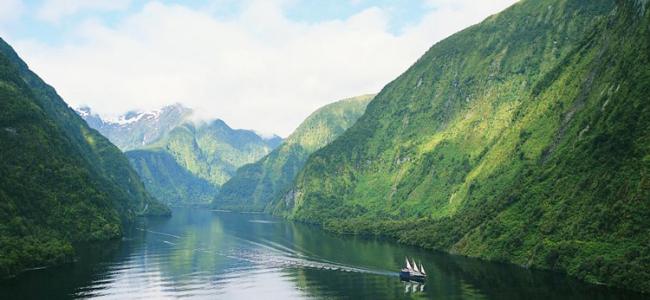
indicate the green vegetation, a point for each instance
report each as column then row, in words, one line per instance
column 60, row 181
column 181, row 162
column 204, row 157
column 522, row 139
column 256, row 185
column 213, row 151
column 166, row 179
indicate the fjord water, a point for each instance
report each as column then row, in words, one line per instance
column 207, row 255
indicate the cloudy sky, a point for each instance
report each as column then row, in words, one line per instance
column 257, row 64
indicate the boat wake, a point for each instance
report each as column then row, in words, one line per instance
column 274, row 255
column 278, row 261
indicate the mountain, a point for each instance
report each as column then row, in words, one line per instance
column 213, row 151
column 191, row 162
column 135, row 130
column 255, row 185
column 181, row 161
column 62, row 182
column 169, row 181
column 522, row 139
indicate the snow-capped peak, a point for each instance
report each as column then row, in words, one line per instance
column 134, row 116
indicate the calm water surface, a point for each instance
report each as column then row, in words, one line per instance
column 216, row 255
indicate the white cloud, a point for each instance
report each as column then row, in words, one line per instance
column 54, row 10
column 258, row 70
column 10, row 10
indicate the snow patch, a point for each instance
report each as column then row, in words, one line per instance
column 133, row 117
column 124, row 120
column 83, row 111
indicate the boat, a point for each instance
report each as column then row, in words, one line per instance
column 413, row 272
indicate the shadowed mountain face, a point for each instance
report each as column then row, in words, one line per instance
column 256, row 185
column 168, row 180
column 213, row 151
column 60, row 181
column 180, row 161
column 524, row 139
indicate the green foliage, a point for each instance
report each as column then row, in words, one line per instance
column 166, row 180
column 258, row 184
column 523, row 139
column 204, row 155
column 213, row 151
column 189, row 163
column 60, row 180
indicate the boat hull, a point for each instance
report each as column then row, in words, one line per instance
column 408, row 276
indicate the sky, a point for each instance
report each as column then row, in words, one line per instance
column 256, row 64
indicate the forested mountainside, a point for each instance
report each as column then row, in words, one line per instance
column 135, row 130
column 203, row 157
column 61, row 181
column 256, row 185
column 168, row 180
column 522, row 139
column 213, row 151
column 181, row 161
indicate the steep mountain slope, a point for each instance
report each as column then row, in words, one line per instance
column 167, row 180
column 61, row 181
column 208, row 153
column 256, row 185
column 135, row 130
column 214, row 151
column 204, row 155
column 523, row 139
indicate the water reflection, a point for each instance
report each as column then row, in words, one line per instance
column 413, row 287
column 207, row 255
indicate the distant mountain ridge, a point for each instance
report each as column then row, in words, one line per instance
column 165, row 178
column 182, row 161
column 213, row 150
column 135, row 130
column 256, row 186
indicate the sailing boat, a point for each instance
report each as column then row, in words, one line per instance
column 413, row 272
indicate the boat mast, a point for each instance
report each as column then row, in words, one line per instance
column 422, row 268
column 408, row 265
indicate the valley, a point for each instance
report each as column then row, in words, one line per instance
column 512, row 159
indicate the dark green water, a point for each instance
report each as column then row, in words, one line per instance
column 216, row 255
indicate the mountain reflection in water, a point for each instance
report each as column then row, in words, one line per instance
column 205, row 255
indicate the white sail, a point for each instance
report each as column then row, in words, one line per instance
column 408, row 265
column 422, row 268
column 415, row 267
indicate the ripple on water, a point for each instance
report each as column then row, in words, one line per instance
column 199, row 255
